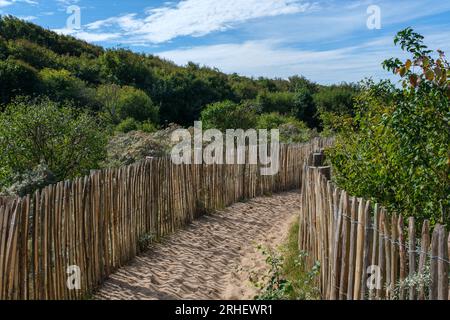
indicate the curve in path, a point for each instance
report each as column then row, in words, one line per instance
column 211, row 258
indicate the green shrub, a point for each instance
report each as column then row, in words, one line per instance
column 16, row 78
column 127, row 125
column 120, row 103
column 60, row 86
column 288, row 277
column 291, row 129
column 41, row 132
column 396, row 149
column 229, row 115
column 148, row 127
column 33, row 54
column 281, row 102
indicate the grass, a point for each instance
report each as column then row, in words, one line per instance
column 288, row 277
column 295, row 271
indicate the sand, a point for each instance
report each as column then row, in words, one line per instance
column 212, row 258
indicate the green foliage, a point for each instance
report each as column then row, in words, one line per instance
column 127, row 125
column 41, row 132
column 121, row 103
column 28, row 181
column 337, row 99
column 148, row 127
column 60, row 86
column 33, row 54
column 16, row 78
column 307, row 109
column 282, row 102
column 131, row 124
column 397, row 148
column 72, row 70
column 83, row 67
column 291, row 129
column 287, row 277
column 3, row 49
column 124, row 67
column 229, row 115
column 12, row 28
column 274, row 286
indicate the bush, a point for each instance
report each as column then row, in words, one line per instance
column 16, row 78
column 33, row 54
column 282, row 102
column 31, row 180
column 291, row 129
column 127, row 125
column 41, row 132
column 120, row 103
column 396, row 149
column 229, row 115
column 3, row 49
column 337, row 99
column 147, row 127
column 60, row 86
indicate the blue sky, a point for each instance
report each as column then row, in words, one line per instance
column 327, row 41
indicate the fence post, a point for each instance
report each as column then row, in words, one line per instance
column 424, row 245
column 434, row 263
column 442, row 265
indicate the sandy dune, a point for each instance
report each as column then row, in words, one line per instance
column 209, row 259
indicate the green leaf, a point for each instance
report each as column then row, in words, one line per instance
column 402, row 71
column 429, row 74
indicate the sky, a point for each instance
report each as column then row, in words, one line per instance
column 327, row 41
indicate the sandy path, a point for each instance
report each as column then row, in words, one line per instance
column 209, row 259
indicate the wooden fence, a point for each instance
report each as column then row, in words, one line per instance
column 355, row 241
column 101, row 221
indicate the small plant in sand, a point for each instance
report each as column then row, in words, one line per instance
column 145, row 240
column 288, row 277
column 272, row 285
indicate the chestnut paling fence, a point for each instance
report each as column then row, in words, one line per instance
column 101, row 221
column 366, row 252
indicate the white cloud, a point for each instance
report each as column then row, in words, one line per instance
column 88, row 36
column 5, row 3
column 197, row 17
column 271, row 59
column 27, row 18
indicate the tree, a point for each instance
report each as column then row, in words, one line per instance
column 3, row 49
column 16, row 78
column 336, row 98
column 67, row 141
column 291, row 129
column 124, row 67
column 229, row 115
column 282, row 102
column 121, row 103
column 396, row 149
column 33, row 54
column 60, row 86
column 307, row 109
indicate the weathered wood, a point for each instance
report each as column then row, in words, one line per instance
column 99, row 221
column 402, row 256
column 433, row 295
column 352, row 253
column 366, row 251
column 359, row 249
column 412, row 255
column 374, row 257
column 424, row 245
column 442, row 265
